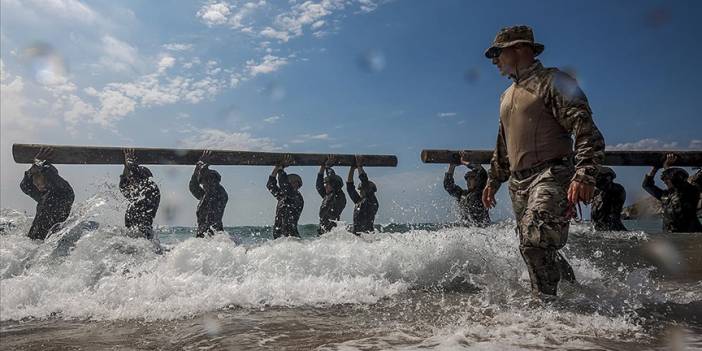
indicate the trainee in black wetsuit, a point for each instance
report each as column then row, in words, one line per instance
column 333, row 203
column 289, row 207
column 205, row 186
column 607, row 202
column 143, row 196
column 470, row 203
column 53, row 202
column 366, row 204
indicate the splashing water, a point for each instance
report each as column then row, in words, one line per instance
column 450, row 288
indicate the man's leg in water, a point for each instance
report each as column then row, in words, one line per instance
column 540, row 204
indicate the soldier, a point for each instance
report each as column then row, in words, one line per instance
column 365, row 202
column 290, row 201
column 204, row 185
column 696, row 180
column 539, row 113
column 679, row 200
column 329, row 188
column 472, row 210
column 142, row 193
column 53, row 194
column 608, row 202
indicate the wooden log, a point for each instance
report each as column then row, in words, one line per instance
column 98, row 155
column 612, row 158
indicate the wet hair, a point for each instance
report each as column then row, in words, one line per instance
column 295, row 178
column 209, row 176
column 370, row 188
column 480, row 178
column 606, row 171
column 141, row 172
column 335, row 181
column 47, row 170
column 676, row 175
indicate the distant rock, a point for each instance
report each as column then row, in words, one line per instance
column 647, row 207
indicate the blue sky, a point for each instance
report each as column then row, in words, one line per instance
column 347, row 76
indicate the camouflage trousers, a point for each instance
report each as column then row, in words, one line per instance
column 540, row 203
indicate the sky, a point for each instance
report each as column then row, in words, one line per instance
column 330, row 76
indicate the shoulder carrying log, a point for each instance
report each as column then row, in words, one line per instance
column 62, row 154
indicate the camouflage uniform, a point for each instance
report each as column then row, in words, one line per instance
column 539, row 113
column 679, row 203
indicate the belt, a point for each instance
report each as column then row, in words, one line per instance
column 526, row 173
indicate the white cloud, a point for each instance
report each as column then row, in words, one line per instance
column 218, row 139
column 303, row 138
column 214, row 13
column 272, row 119
column 118, row 55
column 165, row 63
column 368, row 5
column 269, row 32
column 72, row 10
column 269, row 64
column 237, row 20
column 287, row 24
column 446, row 114
column 645, row 144
column 178, row 47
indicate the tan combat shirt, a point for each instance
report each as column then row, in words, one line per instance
column 543, row 115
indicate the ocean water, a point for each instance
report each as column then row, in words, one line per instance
column 421, row 287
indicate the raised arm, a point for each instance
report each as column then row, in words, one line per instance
column 649, row 184
column 351, row 188
column 449, row 184
column 27, row 186
column 272, row 184
column 319, row 184
column 195, row 187
column 362, row 176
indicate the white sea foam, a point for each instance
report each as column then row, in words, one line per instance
column 108, row 275
column 111, row 276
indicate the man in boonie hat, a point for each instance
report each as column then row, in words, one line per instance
column 549, row 150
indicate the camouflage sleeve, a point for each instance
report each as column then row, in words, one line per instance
column 499, row 164
column 570, row 107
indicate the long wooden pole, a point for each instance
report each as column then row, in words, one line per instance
column 64, row 154
column 612, row 158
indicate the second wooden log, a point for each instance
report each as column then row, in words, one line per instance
column 612, row 158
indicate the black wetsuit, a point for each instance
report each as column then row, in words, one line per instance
column 679, row 205
column 213, row 199
column 332, row 204
column 289, row 207
column 53, row 204
column 607, row 204
column 365, row 207
column 143, row 196
column 470, row 201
